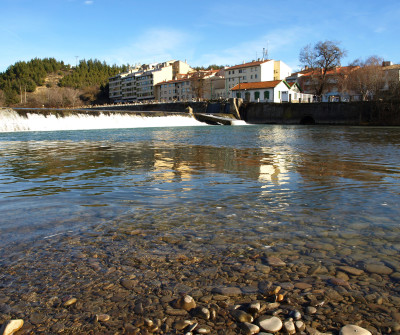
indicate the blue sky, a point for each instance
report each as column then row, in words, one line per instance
column 202, row 32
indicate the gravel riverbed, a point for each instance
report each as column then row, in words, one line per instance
column 141, row 281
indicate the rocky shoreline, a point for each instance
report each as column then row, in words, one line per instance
column 138, row 281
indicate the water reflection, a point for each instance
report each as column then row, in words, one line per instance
column 264, row 175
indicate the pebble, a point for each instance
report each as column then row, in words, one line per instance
column 201, row 312
column 270, row 324
column 102, row 317
column 182, row 324
column 378, row 268
column 241, row 316
column 302, row 286
column 289, row 327
column 70, row 302
column 229, row 291
column 275, row 261
column 339, row 282
column 249, row 328
column 203, row 330
column 186, row 302
column 311, row 310
column 295, row 314
column 300, row 325
column 254, row 307
column 351, row 270
column 11, row 326
column 129, row 284
column 353, row 330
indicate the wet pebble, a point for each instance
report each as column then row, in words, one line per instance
column 11, row 326
column 270, row 324
column 249, row 328
column 354, row 330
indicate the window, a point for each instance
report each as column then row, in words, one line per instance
column 256, row 76
column 266, row 95
column 237, row 95
column 240, row 71
column 256, row 95
column 244, row 77
column 251, row 77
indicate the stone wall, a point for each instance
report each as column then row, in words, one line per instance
column 355, row 113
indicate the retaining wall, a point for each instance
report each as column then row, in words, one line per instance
column 346, row 113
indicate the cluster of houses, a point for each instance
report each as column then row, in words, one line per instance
column 261, row 80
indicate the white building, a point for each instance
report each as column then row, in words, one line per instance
column 270, row 91
column 138, row 83
column 195, row 85
column 256, row 71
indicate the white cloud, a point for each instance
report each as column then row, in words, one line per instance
column 154, row 45
column 89, row 2
column 280, row 44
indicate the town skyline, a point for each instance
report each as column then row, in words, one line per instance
column 223, row 33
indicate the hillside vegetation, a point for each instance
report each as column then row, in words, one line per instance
column 51, row 83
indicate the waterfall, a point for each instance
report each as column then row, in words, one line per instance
column 12, row 121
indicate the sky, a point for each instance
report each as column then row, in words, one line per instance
column 223, row 32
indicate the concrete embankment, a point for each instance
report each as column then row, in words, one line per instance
column 346, row 113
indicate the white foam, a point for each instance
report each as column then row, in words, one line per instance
column 11, row 121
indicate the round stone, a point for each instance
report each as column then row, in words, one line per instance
column 70, row 302
column 102, row 317
column 11, row 326
column 241, row 316
column 201, row 312
column 275, row 261
column 186, row 302
column 270, row 324
column 378, row 268
column 289, row 327
column 250, row 328
column 229, row 291
column 354, row 330
column 311, row 310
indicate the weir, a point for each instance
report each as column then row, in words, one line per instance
column 12, row 120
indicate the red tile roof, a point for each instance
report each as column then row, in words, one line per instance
column 257, row 85
column 342, row 69
column 255, row 63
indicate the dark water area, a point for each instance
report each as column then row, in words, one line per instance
column 326, row 196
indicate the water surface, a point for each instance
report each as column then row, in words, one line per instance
column 246, row 184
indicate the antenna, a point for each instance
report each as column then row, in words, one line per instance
column 266, row 51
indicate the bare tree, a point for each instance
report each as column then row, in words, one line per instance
column 321, row 58
column 368, row 80
column 71, row 96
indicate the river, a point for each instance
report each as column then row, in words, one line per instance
column 307, row 194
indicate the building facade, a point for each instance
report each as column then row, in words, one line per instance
column 138, row 84
column 255, row 71
column 276, row 91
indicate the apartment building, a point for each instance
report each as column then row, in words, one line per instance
column 195, row 85
column 138, row 83
column 256, row 71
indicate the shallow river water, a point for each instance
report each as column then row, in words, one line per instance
column 318, row 198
